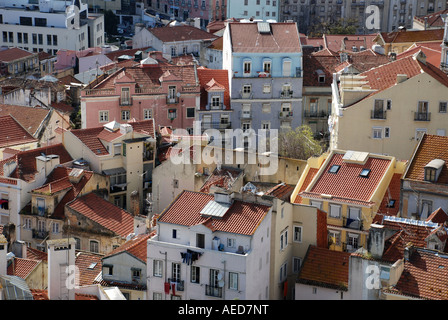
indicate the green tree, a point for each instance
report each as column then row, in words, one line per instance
column 341, row 26
column 111, row 22
column 298, row 143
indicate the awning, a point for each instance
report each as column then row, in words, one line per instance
column 111, row 172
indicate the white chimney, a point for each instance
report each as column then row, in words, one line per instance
column 401, row 78
column 62, row 278
column 3, row 259
column 375, row 241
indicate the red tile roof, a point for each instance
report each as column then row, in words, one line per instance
column 347, row 184
column 181, row 33
column 28, row 117
column 424, row 276
column 281, row 191
column 42, row 294
column 392, row 193
column 35, row 254
column 12, row 54
column 413, row 36
column 12, row 133
column 341, row 42
column 219, row 76
column 438, row 216
column 432, row 51
column 429, row 148
column 22, row 267
column 309, row 177
column 26, row 160
column 241, row 218
column 326, row 268
column 104, row 213
column 89, row 266
column 283, row 37
column 433, row 20
column 137, row 247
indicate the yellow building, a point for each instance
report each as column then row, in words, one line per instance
column 400, row 41
column 387, row 109
column 350, row 187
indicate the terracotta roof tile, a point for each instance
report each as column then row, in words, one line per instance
column 223, row 178
column 221, row 77
column 438, row 216
column 35, row 254
column 40, row 294
column 89, row 266
column 27, row 160
column 22, row 267
column 347, row 182
column 12, row 54
column 181, row 33
column 137, row 247
column 281, row 191
column 309, row 177
column 424, row 276
column 12, row 133
column 429, row 148
column 104, row 213
column 343, row 42
column 29, row 118
column 283, row 37
column 392, row 193
column 241, row 218
column 413, row 36
column 324, row 267
column 432, row 51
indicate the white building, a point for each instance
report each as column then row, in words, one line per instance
column 49, row 25
column 210, row 247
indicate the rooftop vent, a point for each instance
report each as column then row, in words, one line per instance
column 263, row 28
column 355, row 157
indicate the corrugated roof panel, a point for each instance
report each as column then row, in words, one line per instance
column 215, row 209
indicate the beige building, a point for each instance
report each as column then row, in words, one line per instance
column 387, row 109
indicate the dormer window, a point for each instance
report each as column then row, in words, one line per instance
column 430, row 174
column 320, row 76
column 433, row 170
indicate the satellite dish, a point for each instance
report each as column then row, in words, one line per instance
column 221, row 283
column 219, row 276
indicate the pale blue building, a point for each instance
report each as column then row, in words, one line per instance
column 265, row 74
column 256, row 9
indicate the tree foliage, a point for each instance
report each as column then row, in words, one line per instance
column 111, row 22
column 341, row 26
column 298, row 143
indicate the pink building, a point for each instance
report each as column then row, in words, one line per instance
column 153, row 88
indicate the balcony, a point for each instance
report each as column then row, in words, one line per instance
column 247, row 115
column 354, row 224
column 422, row 116
column 315, row 114
column 179, row 284
column 172, row 100
column 215, row 125
column 118, row 187
column 40, row 234
column 215, row 106
column 246, row 95
column 286, row 94
column 379, row 115
column 125, row 101
column 285, row 115
column 213, row 291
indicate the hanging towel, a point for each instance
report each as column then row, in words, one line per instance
column 173, row 287
column 167, row 288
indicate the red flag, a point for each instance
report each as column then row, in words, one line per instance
column 173, row 286
column 167, row 287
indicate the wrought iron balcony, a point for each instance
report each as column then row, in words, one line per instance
column 246, row 115
column 380, row 115
column 286, row 94
column 172, row 100
column 125, row 101
column 216, row 125
column 422, row 116
column 285, row 115
column 315, row 114
column 179, row 284
column 39, row 234
column 213, row 291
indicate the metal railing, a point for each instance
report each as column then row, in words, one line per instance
column 213, row 291
column 378, row 114
column 422, row 116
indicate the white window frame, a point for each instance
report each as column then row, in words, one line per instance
column 283, row 239
column 231, row 242
column 337, row 236
column 233, row 281
column 298, row 238
column 266, row 88
column 296, row 264
column 377, row 133
column 55, row 227
column 266, row 108
column 125, row 115
column 283, row 272
column 97, row 244
column 103, row 116
column 147, row 114
column 27, row 224
column 247, row 68
column 333, row 207
column 157, row 268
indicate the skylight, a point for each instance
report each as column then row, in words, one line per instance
column 365, row 173
column 334, row 168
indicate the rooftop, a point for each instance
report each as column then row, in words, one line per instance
column 13, row 54
column 137, row 247
column 181, row 33
column 12, row 133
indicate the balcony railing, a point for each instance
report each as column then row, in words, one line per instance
column 39, row 234
column 172, row 100
column 179, row 284
column 118, row 187
column 381, row 115
column 213, row 291
column 285, row 115
column 422, row 116
column 246, row 115
column 286, row 94
column 354, row 224
column 216, row 106
column 315, row 114
column 125, row 101
column 216, row 125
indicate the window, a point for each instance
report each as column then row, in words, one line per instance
column 157, row 268
column 49, row 39
column 174, row 234
column 214, row 277
column 40, row 22
column 200, row 240
column 231, row 242
column 283, row 272
column 247, row 88
column 104, row 116
column 175, row 272
column 267, row 66
column 266, row 108
column 19, row 37
column 352, row 241
column 215, row 100
column 386, row 132
column 287, row 68
column 247, row 67
column 55, row 227
column 265, row 125
column 173, row 51
column 389, row 105
column 317, row 204
column 296, row 263
column 125, row 115
column 334, row 237
column 4, row 201
column 377, row 133
column 34, row 38
column 334, row 168
column 335, row 211
column 41, row 38
column 172, row 114
column 136, row 273
column 233, row 281
column 147, row 114
column 419, row 132
column 267, row 88
column 25, row 38
column 94, row 246
column 245, row 126
column 77, row 243
column 442, row 107
column 157, row 296
column 365, row 173
column 297, row 234
column 283, row 239
column 190, row 112
column 26, row 21
column 195, row 274
column 430, row 174
column 40, row 206
column 108, row 269
column 27, row 223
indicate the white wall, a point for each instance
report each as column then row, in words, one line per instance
column 306, row 292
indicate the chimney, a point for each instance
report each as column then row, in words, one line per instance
column 75, row 175
column 222, row 197
column 3, row 251
column 401, row 78
column 135, row 203
column 62, row 277
column 408, row 251
column 375, row 241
